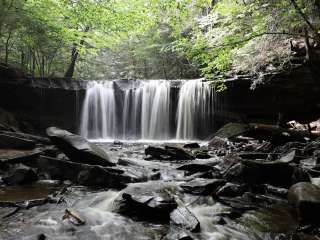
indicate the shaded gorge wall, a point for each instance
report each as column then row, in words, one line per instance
column 41, row 103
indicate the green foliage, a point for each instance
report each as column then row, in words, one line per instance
column 152, row 38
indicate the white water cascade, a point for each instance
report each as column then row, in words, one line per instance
column 99, row 118
column 141, row 112
column 148, row 110
column 195, row 109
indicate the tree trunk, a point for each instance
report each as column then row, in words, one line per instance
column 74, row 56
column 164, row 69
column 7, row 47
column 70, row 71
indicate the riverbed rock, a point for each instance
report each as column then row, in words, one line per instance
column 83, row 174
column 101, row 177
column 78, row 149
column 273, row 172
column 153, row 200
column 20, row 174
column 28, row 136
column 232, row 130
column 201, row 186
column 183, row 218
column 202, row 155
column 218, row 142
column 14, row 156
column 178, row 234
column 191, row 145
column 280, row 192
column 305, row 197
column 11, row 142
column 234, row 173
column 8, row 121
column 168, row 153
column 231, row 190
column 200, row 165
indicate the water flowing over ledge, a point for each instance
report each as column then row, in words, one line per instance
column 149, row 110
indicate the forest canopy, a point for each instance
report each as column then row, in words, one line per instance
column 100, row 39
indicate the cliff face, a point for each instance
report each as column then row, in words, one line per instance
column 291, row 95
column 43, row 102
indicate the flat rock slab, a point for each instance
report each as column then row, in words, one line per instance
column 12, row 156
column 78, row 149
column 231, row 130
column 305, row 197
column 231, row 190
column 183, row 218
column 271, row 172
column 84, row 174
column 152, row 200
column 191, row 145
column 27, row 136
column 200, row 165
column 11, row 142
column 201, row 186
column 168, row 153
column 20, row 175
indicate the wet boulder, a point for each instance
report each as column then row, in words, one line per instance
column 280, row 192
column 232, row 130
column 102, row 177
column 305, row 197
column 83, row 174
column 272, row 172
column 191, row 145
column 200, row 165
column 78, row 149
column 168, row 153
column 14, row 156
column 183, row 218
column 27, row 136
column 202, row 155
column 178, row 234
column 153, row 200
column 218, row 142
column 201, row 186
column 19, row 175
column 11, row 142
column 234, row 173
column 231, row 190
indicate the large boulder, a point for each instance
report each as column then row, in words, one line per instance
column 20, row 175
column 305, row 197
column 84, row 174
column 153, row 200
column 78, row 149
column 232, row 130
column 231, row 190
column 183, row 218
column 13, row 156
column 201, row 186
column 8, row 121
column 11, row 142
column 272, row 172
column 168, row 153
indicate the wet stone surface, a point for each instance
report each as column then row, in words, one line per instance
column 176, row 213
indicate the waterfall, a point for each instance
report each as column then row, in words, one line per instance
column 195, row 109
column 148, row 109
column 145, row 111
column 99, row 118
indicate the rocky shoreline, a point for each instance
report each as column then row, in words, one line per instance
column 244, row 168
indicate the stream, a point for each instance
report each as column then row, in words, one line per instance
column 97, row 208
